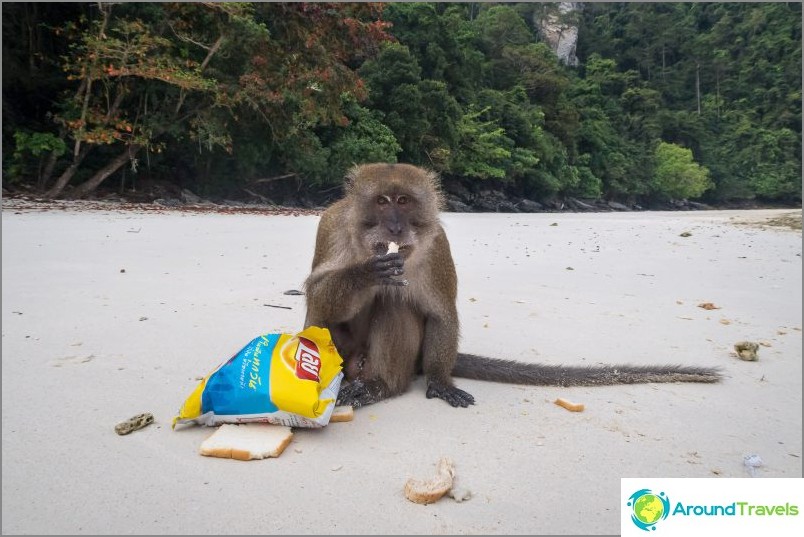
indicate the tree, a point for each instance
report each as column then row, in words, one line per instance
column 153, row 75
column 677, row 175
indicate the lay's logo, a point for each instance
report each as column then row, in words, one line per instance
column 308, row 360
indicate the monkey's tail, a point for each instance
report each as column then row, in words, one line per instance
column 471, row 366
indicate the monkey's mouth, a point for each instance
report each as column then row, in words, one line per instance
column 381, row 248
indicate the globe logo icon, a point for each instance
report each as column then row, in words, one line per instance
column 648, row 508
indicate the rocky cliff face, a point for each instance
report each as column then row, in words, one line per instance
column 558, row 26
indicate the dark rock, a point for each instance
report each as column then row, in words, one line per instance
column 188, row 197
column 579, row 205
column 506, row 206
column 458, row 190
column 167, row 202
column 699, row 206
column 456, row 206
column 529, row 206
column 618, row 206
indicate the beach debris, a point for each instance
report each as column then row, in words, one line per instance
column 708, row 306
column 430, row 491
column 278, row 306
column 686, row 234
column 747, row 350
column 752, row 462
column 459, row 494
column 572, row 407
column 132, row 424
column 293, row 292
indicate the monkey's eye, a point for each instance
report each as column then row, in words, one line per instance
column 402, row 200
column 382, row 200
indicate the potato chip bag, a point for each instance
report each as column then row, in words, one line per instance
column 285, row 379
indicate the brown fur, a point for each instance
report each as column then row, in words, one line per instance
column 388, row 329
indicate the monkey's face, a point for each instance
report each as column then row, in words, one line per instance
column 390, row 216
column 393, row 203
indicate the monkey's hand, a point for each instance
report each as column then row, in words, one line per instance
column 452, row 395
column 361, row 393
column 384, row 267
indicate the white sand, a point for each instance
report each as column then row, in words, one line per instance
column 86, row 346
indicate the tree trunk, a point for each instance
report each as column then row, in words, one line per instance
column 65, row 177
column 93, row 182
column 698, row 85
column 47, row 171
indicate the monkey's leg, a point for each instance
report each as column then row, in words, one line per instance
column 394, row 343
column 439, row 354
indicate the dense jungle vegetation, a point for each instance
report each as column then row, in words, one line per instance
column 667, row 101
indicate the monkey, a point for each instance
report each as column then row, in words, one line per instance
column 393, row 315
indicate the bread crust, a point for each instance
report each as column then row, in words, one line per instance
column 226, row 443
column 572, row 407
column 424, row 492
column 342, row 413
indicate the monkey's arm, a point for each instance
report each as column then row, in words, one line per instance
column 440, row 342
column 439, row 350
column 336, row 294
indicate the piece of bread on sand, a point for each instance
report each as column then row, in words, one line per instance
column 247, row 441
column 429, row 491
column 342, row 413
column 569, row 405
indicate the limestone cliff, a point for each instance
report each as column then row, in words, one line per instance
column 557, row 24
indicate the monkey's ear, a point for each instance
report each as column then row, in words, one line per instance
column 351, row 176
column 434, row 181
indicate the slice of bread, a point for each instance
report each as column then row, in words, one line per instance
column 342, row 413
column 247, row 441
column 421, row 491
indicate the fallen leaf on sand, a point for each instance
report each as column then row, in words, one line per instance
column 708, row 306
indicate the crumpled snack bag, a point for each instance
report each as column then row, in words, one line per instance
column 284, row 379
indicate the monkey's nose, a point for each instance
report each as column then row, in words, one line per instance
column 394, row 227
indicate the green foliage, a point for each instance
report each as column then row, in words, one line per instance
column 481, row 150
column 38, row 143
column 30, row 148
column 677, row 175
column 232, row 92
column 365, row 139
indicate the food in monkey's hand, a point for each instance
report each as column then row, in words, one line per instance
column 393, row 248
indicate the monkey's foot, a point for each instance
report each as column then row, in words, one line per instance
column 361, row 393
column 452, row 395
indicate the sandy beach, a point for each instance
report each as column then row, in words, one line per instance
column 109, row 313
